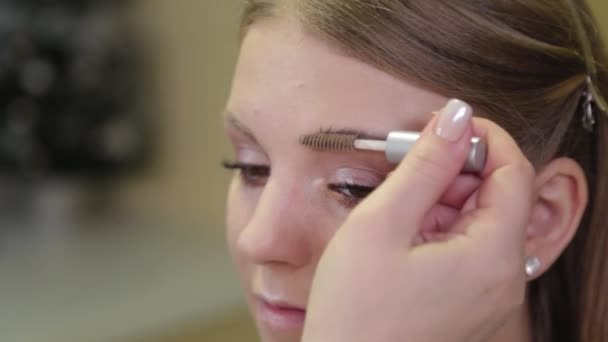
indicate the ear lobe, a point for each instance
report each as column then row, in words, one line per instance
column 561, row 200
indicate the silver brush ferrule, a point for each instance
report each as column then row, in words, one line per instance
column 399, row 143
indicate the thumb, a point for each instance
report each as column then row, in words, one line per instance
column 424, row 175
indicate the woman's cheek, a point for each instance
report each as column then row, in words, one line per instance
column 239, row 210
column 329, row 216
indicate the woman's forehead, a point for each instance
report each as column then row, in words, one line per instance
column 289, row 76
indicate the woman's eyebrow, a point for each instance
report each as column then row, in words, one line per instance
column 416, row 123
column 233, row 122
column 360, row 134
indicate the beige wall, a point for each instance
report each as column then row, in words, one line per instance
column 195, row 47
column 601, row 9
column 195, row 52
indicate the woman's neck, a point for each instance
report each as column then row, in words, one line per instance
column 517, row 328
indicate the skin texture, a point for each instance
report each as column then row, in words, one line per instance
column 287, row 84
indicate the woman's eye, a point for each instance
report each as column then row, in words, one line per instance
column 252, row 175
column 351, row 194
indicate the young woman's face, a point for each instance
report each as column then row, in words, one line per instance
column 287, row 201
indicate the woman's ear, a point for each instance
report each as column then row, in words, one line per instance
column 561, row 198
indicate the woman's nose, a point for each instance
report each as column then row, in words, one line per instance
column 277, row 231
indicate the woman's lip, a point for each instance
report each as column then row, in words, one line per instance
column 280, row 315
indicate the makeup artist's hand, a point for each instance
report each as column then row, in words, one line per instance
column 374, row 282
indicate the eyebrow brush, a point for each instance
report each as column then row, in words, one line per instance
column 395, row 147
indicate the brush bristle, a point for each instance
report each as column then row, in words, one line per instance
column 329, row 142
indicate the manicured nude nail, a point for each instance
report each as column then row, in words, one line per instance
column 453, row 120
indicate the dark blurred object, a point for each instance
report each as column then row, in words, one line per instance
column 70, row 89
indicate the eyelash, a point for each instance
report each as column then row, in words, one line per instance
column 256, row 175
column 356, row 193
column 252, row 175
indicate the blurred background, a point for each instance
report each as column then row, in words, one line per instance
column 111, row 194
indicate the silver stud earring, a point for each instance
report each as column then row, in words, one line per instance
column 532, row 266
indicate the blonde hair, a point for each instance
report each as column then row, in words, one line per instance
column 521, row 64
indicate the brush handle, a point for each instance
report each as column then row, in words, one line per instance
column 399, row 143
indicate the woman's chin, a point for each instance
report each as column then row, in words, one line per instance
column 273, row 335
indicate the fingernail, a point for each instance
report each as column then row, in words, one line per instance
column 453, row 120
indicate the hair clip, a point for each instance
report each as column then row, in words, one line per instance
column 593, row 98
column 592, row 102
column 588, row 113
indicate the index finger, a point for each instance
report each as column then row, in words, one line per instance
column 503, row 150
column 505, row 198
